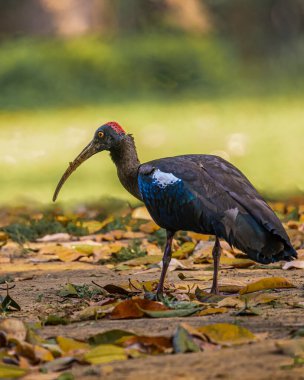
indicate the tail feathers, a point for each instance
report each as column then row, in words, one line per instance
column 287, row 254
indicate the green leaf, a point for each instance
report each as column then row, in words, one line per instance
column 183, row 341
column 68, row 290
column 109, row 337
column 171, row 313
column 53, row 320
column 66, row 376
column 8, row 304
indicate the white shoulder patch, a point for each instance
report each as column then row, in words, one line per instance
column 229, row 220
column 163, row 179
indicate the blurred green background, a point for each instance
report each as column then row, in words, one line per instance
column 224, row 77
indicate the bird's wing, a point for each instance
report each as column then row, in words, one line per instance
column 177, row 186
column 233, row 182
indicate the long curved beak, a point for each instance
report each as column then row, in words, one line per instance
column 86, row 153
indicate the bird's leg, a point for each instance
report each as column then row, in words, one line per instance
column 216, row 253
column 166, row 262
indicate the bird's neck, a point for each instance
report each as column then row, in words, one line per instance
column 124, row 156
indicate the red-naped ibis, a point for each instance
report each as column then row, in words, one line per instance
column 196, row 192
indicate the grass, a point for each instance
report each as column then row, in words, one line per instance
column 263, row 137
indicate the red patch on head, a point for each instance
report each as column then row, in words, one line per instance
column 116, row 127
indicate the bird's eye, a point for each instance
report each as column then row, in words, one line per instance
column 100, row 134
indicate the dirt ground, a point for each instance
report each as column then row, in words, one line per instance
column 260, row 360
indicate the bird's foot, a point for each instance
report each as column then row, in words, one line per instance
column 158, row 296
column 215, row 290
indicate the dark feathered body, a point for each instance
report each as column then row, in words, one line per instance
column 206, row 194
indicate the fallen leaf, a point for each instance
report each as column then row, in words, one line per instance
column 231, row 302
column 68, row 344
column 43, row 354
column 212, row 310
column 149, row 228
column 135, row 308
column 53, row 320
column 109, row 337
column 60, row 237
column 144, row 260
column 8, row 371
column 133, row 235
column 184, row 251
column 9, row 304
column 93, row 226
column 171, row 313
column 295, row 264
column 227, row 334
column 205, row 277
column 174, row 264
column 260, row 298
column 14, row 328
column 183, row 341
column 105, row 353
column 114, row 289
column 203, row 296
column 68, row 290
column 149, row 344
column 65, row 254
column 236, row 263
column 197, row 236
column 267, row 283
column 59, row 364
column 230, row 288
column 93, row 312
column 141, row 213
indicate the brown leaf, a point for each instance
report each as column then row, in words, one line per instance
column 150, row 344
column 14, row 328
column 129, row 308
column 149, row 227
column 267, row 283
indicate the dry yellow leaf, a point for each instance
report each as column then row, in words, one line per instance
column 43, row 354
column 11, row 371
column 197, row 236
column 236, row 263
column 227, row 334
column 105, row 353
column 267, row 283
column 141, row 213
column 184, row 251
column 69, row 344
column 212, row 310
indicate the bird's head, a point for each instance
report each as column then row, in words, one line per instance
column 106, row 137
